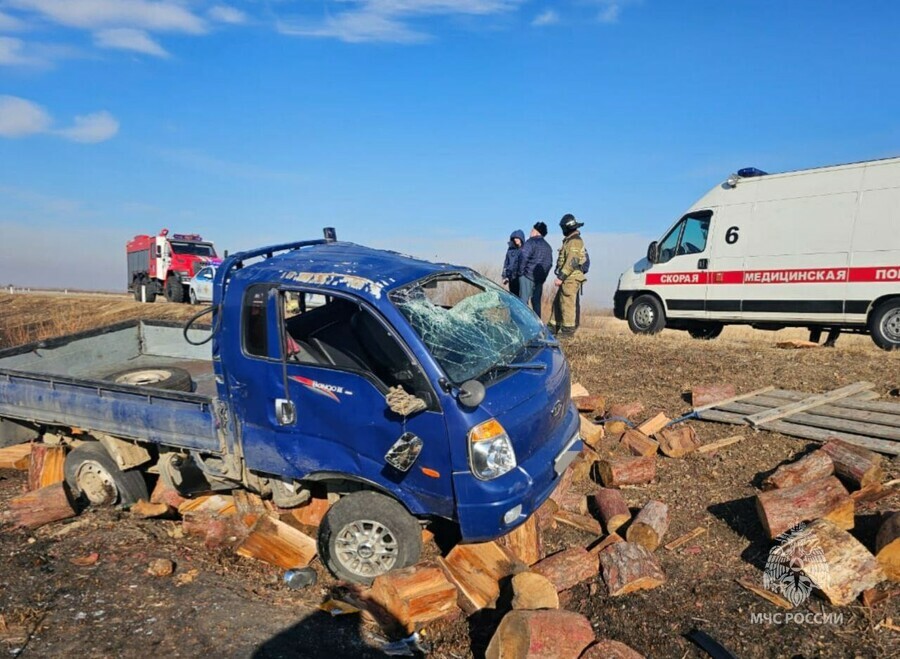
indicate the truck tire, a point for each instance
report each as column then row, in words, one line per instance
column 169, row 378
column 366, row 534
column 706, row 331
column 884, row 324
column 174, row 290
column 150, row 295
column 646, row 315
column 92, row 473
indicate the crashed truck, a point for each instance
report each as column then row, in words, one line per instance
column 412, row 391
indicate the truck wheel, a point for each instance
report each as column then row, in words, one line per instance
column 884, row 324
column 706, row 331
column 170, row 378
column 91, row 472
column 367, row 534
column 646, row 315
column 174, row 290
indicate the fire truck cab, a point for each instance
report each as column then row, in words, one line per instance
column 164, row 264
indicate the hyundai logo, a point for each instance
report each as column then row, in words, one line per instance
column 557, row 409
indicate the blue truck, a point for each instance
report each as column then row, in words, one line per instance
column 405, row 391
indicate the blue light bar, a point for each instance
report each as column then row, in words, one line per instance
column 750, row 172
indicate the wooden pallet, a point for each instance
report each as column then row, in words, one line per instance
column 849, row 413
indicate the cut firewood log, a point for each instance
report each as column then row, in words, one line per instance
column 628, row 567
column 853, row 463
column 46, row 466
column 564, row 483
column 312, row 512
column 851, row 568
column 39, row 507
column 652, row 426
column 612, row 538
column 216, row 530
column 221, row 504
column 887, row 546
column 571, row 501
column 583, row 467
column 678, row 441
column 650, row 525
column 578, row 390
column 16, row 457
column 162, row 493
column 707, row 394
column 545, row 634
column 615, row 427
column 274, row 542
column 813, row 467
column 638, row 443
column 146, row 510
column 608, row 649
column 544, row 514
column 611, row 508
column 721, row 443
column 249, row 507
column 590, row 404
column 567, row 568
column 581, row 522
column 618, row 471
column 591, row 433
column 415, row 595
column 524, row 542
column 626, row 410
column 476, row 570
column 533, row 591
column 779, row 510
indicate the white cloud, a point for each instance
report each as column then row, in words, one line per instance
column 549, row 17
column 226, row 14
column 12, row 52
column 126, row 38
column 611, row 10
column 163, row 16
column 91, row 128
column 21, row 118
column 9, row 23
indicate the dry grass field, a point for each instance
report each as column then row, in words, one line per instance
column 233, row 607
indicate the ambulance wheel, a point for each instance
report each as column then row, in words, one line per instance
column 174, row 290
column 884, row 324
column 366, row 534
column 646, row 315
column 92, row 473
column 706, row 331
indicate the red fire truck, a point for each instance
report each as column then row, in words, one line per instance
column 165, row 264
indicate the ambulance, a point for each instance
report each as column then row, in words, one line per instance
column 815, row 248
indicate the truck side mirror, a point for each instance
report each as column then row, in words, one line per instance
column 471, row 393
column 653, row 252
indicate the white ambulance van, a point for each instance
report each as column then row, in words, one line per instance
column 817, row 248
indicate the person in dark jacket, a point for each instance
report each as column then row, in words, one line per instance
column 512, row 264
column 536, row 262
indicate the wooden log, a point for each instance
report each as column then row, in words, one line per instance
column 618, row 471
column 533, row 591
column 544, row 514
column 572, row 501
column 638, row 443
column 710, row 394
column 146, row 510
column 581, row 522
column 611, row 508
column 545, row 634
column 851, row 567
column 719, row 444
column 476, row 570
column 626, row 410
column 215, row 529
column 46, row 466
column 415, row 595
column 221, row 504
column 628, row 567
column 583, row 466
column 274, row 542
column 652, row 426
column 887, row 546
column 767, row 595
column 565, row 482
column 813, row 467
column 686, row 538
column 162, row 493
column 854, row 464
column 678, row 441
column 36, row 465
column 779, row 510
column 615, row 427
column 597, row 547
column 650, row 525
column 567, row 568
column 249, row 507
column 578, row 390
column 39, row 507
column 609, row 649
column 590, row 404
column 591, row 433
column 525, row 542
column 16, row 457
column 312, row 512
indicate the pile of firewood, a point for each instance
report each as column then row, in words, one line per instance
column 48, row 498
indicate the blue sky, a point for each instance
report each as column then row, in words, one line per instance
column 431, row 126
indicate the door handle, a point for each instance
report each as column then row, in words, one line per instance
column 702, row 264
column 285, row 412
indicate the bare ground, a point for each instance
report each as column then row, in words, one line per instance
column 217, row 604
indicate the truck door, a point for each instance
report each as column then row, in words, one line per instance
column 680, row 272
column 725, row 284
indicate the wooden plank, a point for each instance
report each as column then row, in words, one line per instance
column 813, row 401
column 861, row 401
column 731, row 400
column 849, row 414
column 721, row 443
column 16, row 457
column 827, row 422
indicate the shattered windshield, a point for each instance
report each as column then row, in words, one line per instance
column 469, row 324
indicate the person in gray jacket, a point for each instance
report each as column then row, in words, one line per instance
column 535, row 263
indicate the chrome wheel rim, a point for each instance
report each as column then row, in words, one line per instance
column 145, row 378
column 890, row 325
column 644, row 316
column 96, row 483
column 366, row 548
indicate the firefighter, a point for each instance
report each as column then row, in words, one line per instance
column 571, row 266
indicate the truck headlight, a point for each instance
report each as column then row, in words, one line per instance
column 491, row 452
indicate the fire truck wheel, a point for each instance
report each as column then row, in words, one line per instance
column 366, row 534
column 174, row 290
column 884, row 324
column 646, row 315
column 149, row 295
column 169, row 378
column 92, row 473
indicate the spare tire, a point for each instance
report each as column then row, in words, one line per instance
column 170, row 378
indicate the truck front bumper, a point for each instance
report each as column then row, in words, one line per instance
column 620, row 303
column 488, row 509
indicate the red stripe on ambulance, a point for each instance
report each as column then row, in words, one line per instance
column 793, row 276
